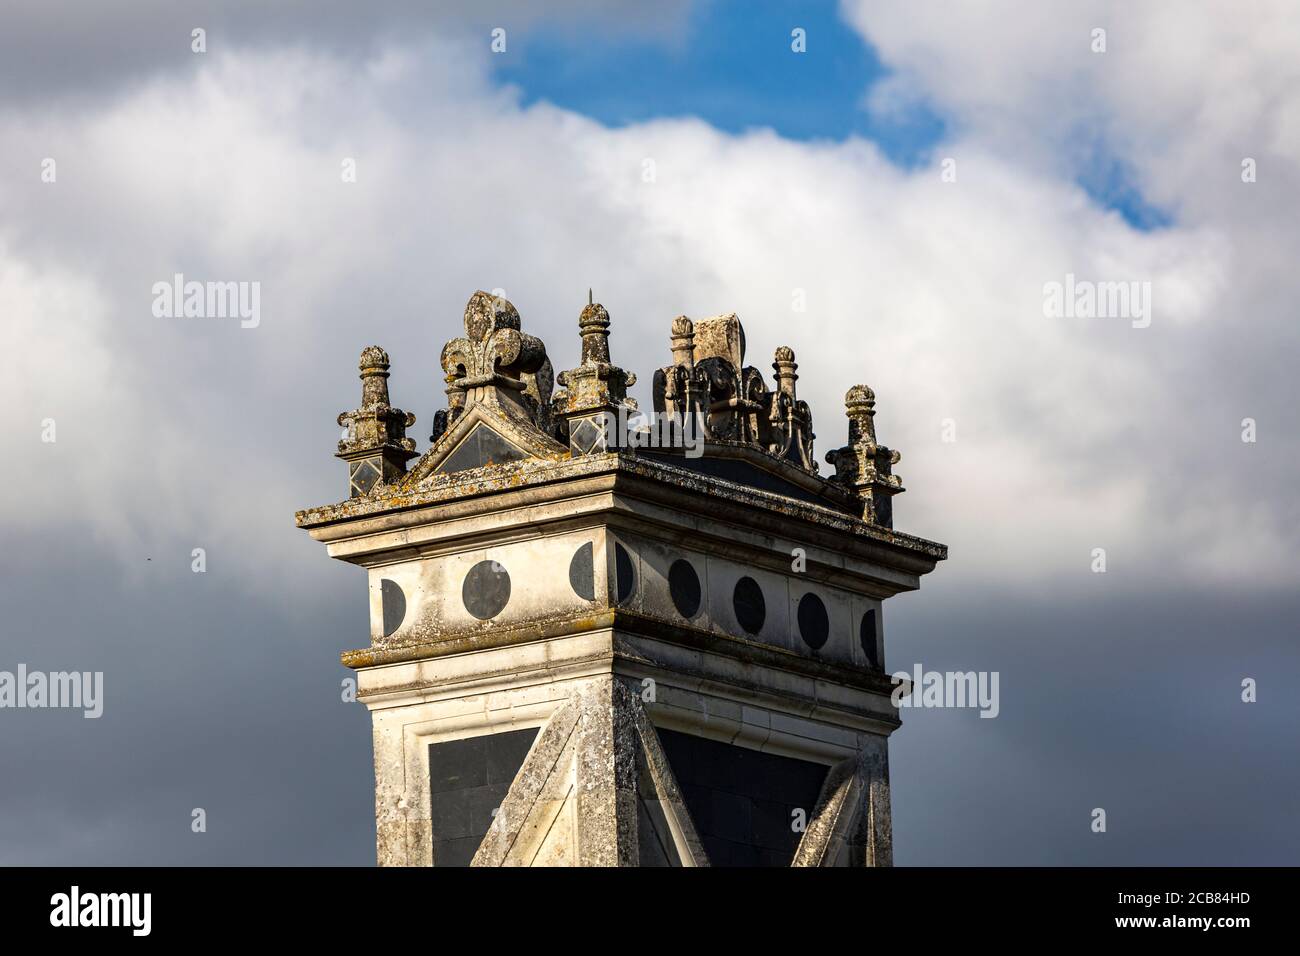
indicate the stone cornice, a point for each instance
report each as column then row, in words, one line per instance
column 466, row 493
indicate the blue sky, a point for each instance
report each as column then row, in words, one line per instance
column 734, row 67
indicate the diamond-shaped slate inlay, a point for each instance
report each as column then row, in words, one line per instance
column 364, row 475
column 586, row 435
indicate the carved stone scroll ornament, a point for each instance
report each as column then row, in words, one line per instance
column 708, row 377
column 496, row 363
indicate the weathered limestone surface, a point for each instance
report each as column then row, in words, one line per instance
column 534, row 570
column 376, row 447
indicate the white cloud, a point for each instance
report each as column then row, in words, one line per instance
column 1183, row 91
column 1072, row 434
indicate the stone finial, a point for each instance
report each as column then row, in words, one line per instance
column 376, row 447
column 682, row 389
column 863, row 465
column 496, row 364
column 737, row 401
column 593, row 327
column 860, row 407
column 785, row 368
column 709, row 380
column 493, row 349
column 593, row 389
column 374, row 376
column 683, row 342
column 790, row 420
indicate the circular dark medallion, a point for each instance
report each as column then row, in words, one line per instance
column 747, row 601
column 684, row 586
column 486, row 590
column 867, row 635
column 814, row 625
column 394, row 604
column 580, row 574
column 623, row 574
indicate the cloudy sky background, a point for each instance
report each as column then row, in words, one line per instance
column 774, row 172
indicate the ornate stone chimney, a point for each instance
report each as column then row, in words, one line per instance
column 588, row 651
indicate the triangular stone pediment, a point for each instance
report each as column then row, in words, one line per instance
column 482, row 446
column 482, row 436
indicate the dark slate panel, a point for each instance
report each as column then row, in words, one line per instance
column 867, row 635
column 623, row 573
column 455, row 852
column 582, row 573
column 481, row 447
column 457, row 765
column 486, row 590
column 587, row 436
column 364, row 475
column 884, row 511
column 480, row 806
column 697, row 801
column 748, row 604
column 731, row 818
column 789, row 781
column 742, row 801
column 450, row 816
column 468, row 780
column 741, row 472
column 814, row 624
column 684, row 587
column 770, row 824
column 394, row 603
column 506, row 755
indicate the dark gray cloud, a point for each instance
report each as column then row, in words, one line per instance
column 217, row 701
column 212, row 700
column 1130, row 704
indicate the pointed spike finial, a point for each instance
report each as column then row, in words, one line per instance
column 595, row 388
column 593, row 328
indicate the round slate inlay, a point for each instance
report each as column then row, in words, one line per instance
column 486, row 590
column 867, row 635
column 623, row 573
column 684, row 586
column 814, row 625
column 747, row 601
column 581, row 572
column 393, row 600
